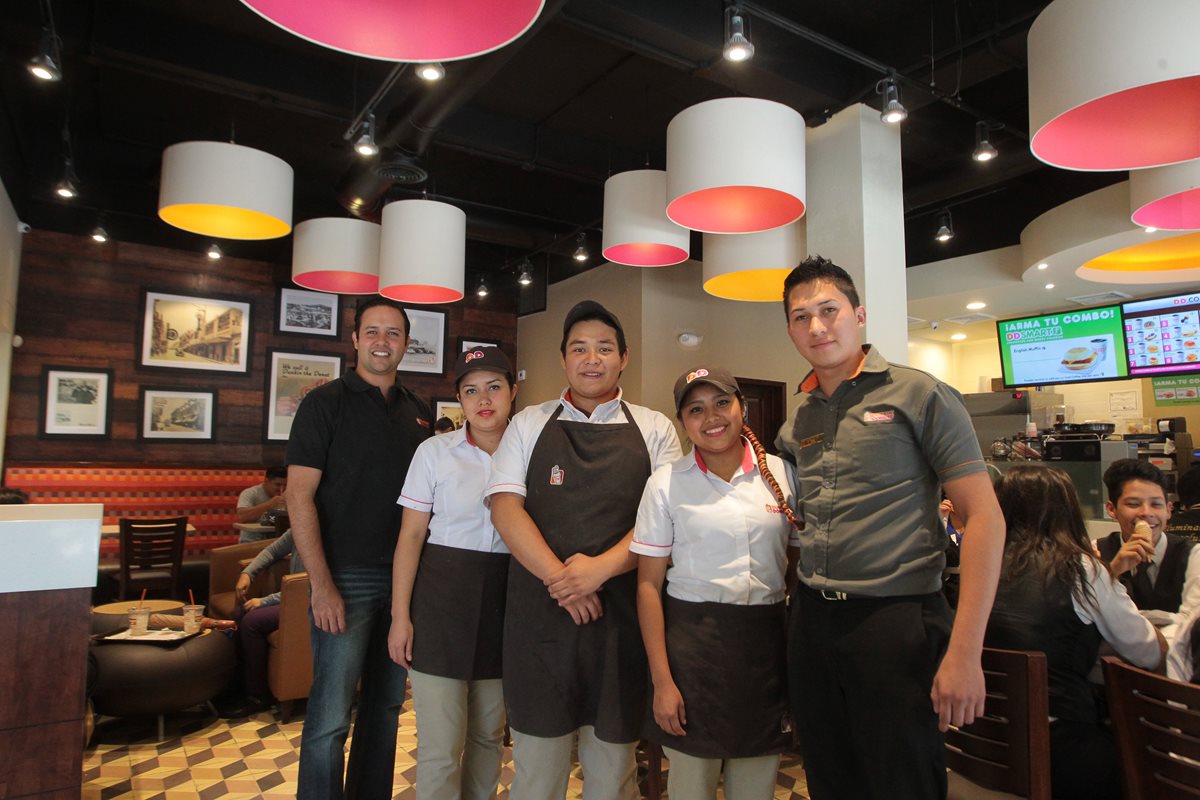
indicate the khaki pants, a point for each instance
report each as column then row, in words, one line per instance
column 460, row 732
column 692, row 778
column 543, row 766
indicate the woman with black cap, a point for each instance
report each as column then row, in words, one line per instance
column 448, row 591
column 716, row 525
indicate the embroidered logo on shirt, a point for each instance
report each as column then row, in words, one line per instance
column 879, row 416
column 424, row 423
column 556, row 475
column 700, row 373
column 774, row 509
column 810, row 441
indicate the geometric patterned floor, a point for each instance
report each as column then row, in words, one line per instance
column 203, row 758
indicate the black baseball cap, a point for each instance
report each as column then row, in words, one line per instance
column 488, row 358
column 590, row 309
column 717, row 376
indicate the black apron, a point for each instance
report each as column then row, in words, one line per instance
column 458, row 613
column 583, row 487
column 730, row 663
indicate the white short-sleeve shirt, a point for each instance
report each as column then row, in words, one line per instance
column 727, row 539
column 511, row 461
column 447, row 477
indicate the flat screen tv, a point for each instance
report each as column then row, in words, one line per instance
column 1064, row 347
column 1162, row 334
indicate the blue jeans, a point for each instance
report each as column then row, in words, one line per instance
column 339, row 660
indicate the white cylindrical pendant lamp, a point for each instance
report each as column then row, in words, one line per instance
column 735, row 165
column 636, row 229
column 752, row 266
column 1115, row 85
column 1167, row 198
column 225, row 190
column 445, row 30
column 422, row 252
column 337, row 255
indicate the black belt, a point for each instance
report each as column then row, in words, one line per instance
column 835, row 596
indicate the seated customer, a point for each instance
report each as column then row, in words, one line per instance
column 261, row 502
column 12, row 497
column 1055, row 596
column 1160, row 572
column 1186, row 519
column 258, row 618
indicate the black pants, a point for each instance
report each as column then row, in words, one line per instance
column 860, row 673
column 1083, row 762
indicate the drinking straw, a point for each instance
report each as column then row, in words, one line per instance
column 191, row 598
column 142, row 599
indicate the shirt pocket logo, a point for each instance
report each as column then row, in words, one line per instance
column 556, row 475
column 876, row 417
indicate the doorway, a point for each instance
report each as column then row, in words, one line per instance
column 766, row 407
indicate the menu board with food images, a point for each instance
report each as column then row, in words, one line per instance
column 1067, row 347
column 1177, row 391
column 1162, row 335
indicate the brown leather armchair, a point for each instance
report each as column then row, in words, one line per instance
column 289, row 657
column 225, row 564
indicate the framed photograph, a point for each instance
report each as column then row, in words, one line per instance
column 202, row 333
column 177, row 415
column 307, row 313
column 465, row 343
column 449, row 407
column 77, row 402
column 426, row 341
column 290, row 377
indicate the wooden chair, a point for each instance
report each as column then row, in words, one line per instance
column 151, row 554
column 1156, row 722
column 1006, row 752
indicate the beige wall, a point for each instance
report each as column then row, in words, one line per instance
column 10, row 264
column 936, row 358
column 656, row 305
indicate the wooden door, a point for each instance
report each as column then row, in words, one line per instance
column 766, row 407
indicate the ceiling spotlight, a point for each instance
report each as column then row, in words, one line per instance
column 737, row 46
column 1150, row 229
column 366, row 146
column 581, row 253
column 214, row 251
column 1043, row 265
column 976, row 306
column 1049, row 285
column 893, row 111
column 957, row 337
column 45, row 65
column 99, row 235
column 433, row 71
column 482, row 291
column 945, row 228
column 526, row 276
column 68, row 187
column 984, row 150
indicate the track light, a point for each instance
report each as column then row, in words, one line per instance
column 526, row 276
column 945, row 229
column 366, row 146
column 737, row 46
column 893, row 111
column 581, row 252
column 482, row 290
column 45, row 65
column 433, row 71
column 984, row 150
column 99, row 235
column 68, row 187
column 214, row 251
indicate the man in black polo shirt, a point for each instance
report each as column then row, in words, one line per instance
column 348, row 455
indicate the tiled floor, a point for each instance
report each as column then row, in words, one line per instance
column 254, row 757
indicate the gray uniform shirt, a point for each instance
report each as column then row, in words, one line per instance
column 870, row 461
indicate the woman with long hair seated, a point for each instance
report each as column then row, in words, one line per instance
column 1057, row 597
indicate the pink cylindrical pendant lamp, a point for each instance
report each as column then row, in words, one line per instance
column 636, row 229
column 333, row 254
column 1167, row 198
column 422, row 252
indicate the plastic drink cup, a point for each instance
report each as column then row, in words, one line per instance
column 191, row 618
column 139, row 621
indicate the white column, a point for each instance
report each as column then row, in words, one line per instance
column 856, row 217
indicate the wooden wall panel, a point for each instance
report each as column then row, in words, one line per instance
column 79, row 304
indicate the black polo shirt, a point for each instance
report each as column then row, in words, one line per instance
column 362, row 444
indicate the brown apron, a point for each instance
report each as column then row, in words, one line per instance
column 583, row 487
column 458, row 612
column 729, row 663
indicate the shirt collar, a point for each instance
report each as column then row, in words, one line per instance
column 355, row 382
column 1160, row 549
column 602, row 411
column 873, row 362
column 748, row 460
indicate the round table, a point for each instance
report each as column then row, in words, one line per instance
column 122, row 607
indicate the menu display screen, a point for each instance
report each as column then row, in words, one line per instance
column 1066, row 347
column 1162, row 334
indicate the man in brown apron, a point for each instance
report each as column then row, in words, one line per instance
column 564, row 493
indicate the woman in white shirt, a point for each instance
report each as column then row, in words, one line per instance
column 715, row 525
column 1055, row 596
column 449, row 580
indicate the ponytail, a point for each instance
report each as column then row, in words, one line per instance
column 761, row 456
